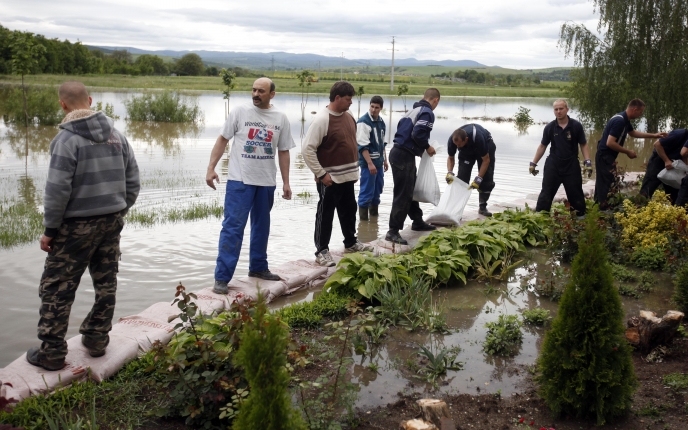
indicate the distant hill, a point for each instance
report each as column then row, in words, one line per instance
column 285, row 60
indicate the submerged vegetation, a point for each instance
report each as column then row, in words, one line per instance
column 42, row 107
column 168, row 106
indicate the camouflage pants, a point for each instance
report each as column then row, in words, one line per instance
column 92, row 243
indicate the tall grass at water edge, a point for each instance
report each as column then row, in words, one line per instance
column 196, row 211
column 19, row 223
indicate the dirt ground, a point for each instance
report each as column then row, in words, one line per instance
column 654, row 405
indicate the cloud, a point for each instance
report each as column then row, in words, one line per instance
column 491, row 31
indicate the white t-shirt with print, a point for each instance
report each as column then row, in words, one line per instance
column 258, row 135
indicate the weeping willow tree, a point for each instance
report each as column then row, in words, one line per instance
column 639, row 50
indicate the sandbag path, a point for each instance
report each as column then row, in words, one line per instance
column 132, row 336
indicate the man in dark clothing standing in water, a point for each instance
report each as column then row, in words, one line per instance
column 561, row 167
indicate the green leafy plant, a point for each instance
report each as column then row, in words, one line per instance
column 629, row 291
column 585, row 365
column 676, row 381
column 503, row 336
column 537, row 316
column 262, row 355
column 647, row 282
column 305, row 78
column 229, row 81
column 434, row 365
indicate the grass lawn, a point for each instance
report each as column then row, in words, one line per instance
column 288, row 84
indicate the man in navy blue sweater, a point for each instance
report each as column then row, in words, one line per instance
column 410, row 141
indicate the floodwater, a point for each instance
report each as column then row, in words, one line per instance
column 173, row 161
column 468, row 308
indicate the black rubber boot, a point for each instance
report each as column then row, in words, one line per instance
column 363, row 213
column 373, row 210
column 482, row 202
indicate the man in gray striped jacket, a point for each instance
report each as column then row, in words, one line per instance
column 92, row 181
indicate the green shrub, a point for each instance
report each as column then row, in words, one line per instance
column 310, row 314
column 42, row 105
column 195, row 369
column 537, row 316
column 585, row 364
column 263, row 356
column 647, row 282
column 503, row 336
column 681, row 288
column 649, row 258
column 629, row 291
column 167, row 106
column 623, row 274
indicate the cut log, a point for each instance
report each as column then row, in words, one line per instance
column 417, row 425
column 435, row 411
column 647, row 331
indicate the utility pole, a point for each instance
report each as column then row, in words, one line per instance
column 318, row 69
column 273, row 66
column 341, row 68
column 391, row 81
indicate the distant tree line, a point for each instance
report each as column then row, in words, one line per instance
column 475, row 77
column 65, row 57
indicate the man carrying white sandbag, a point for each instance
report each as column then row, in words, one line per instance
column 410, row 141
column 666, row 150
column 474, row 143
column 682, row 198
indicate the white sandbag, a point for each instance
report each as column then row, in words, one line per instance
column 144, row 331
column 427, row 188
column 210, row 303
column 249, row 287
column 674, row 176
column 12, row 386
column 40, row 380
column 119, row 352
column 163, row 312
column 299, row 274
column 452, row 204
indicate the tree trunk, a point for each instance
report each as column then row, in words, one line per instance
column 26, row 109
column 647, row 331
column 417, row 425
column 436, row 412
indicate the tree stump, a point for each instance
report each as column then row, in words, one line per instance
column 417, row 425
column 647, row 331
column 436, row 412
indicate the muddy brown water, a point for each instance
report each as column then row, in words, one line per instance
column 173, row 160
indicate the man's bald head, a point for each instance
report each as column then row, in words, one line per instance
column 263, row 92
column 73, row 95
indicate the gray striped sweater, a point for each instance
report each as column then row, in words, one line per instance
column 92, row 171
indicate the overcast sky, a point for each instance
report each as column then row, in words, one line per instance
column 518, row 34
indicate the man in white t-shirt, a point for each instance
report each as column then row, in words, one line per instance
column 260, row 131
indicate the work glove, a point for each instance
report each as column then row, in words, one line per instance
column 450, row 177
column 532, row 170
column 587, row 168
column 476, row 183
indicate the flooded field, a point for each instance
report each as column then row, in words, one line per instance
column 173, row 160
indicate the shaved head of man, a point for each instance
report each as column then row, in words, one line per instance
column 73, row 95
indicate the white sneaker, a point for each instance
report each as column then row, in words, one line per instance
column 359, row 247
column 324, row 259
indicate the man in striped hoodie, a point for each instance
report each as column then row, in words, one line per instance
column 330, row 150
column 92, row 181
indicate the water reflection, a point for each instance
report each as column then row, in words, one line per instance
column 163, row 134
column 27, row 191
column 32, row 140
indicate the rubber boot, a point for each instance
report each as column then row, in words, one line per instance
column 363, row 213
column 482, row 201
column 373, row 210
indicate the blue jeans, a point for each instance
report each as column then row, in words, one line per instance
column 240, row 200
column 371, row 187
